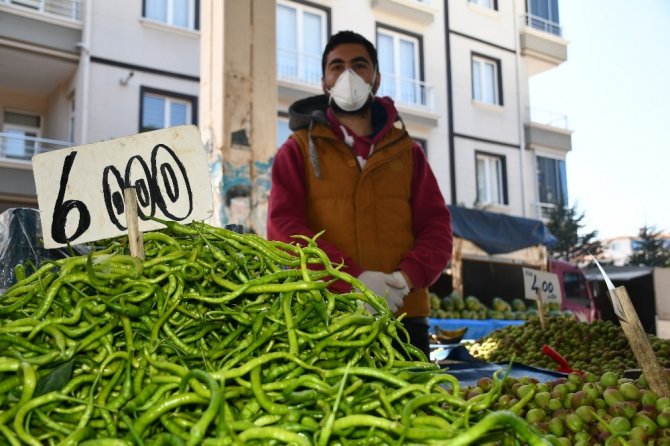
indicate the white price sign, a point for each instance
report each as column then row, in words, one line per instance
column 80, row 189
column 546, row 284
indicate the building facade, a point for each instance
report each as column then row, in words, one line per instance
column 75, row 72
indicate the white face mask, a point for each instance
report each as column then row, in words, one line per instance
column 350, row 91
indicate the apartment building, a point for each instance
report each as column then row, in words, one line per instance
column 80, row 71
column 74, row 72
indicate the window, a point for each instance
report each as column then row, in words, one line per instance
column 160, row 110
column 490, row 4
column 543, row 15
column 637, row 245
column 423, row 143
column 544, row 9
column 301, row 35
column 486, row 80
column 399, row 57
column 21, row 131
column 552, row 182
column 490, row 171
column 181, row 13
column 283, row 131
column 575, row 288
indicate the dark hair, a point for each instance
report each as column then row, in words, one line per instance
column 348, row 37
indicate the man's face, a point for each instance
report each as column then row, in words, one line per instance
column 345, row 56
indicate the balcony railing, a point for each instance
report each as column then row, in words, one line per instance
column 544, row 210
column 69, row 9
column 543, row 24
column 298, row 68
column 303, row 69
column 547, row 117
column 22, row 148
column 411, row 93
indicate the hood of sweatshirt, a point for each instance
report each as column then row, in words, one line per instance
column 314, row 109
column 304, row 112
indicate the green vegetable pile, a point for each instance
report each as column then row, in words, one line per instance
column 218, row 338
column 596, row 347
column 453, row 306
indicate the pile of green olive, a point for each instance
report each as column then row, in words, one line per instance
column 586, row 409
column 595, row 347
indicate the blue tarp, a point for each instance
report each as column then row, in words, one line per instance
column 477, row 328
column 498, row 233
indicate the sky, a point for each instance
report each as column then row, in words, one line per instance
column 615, row 90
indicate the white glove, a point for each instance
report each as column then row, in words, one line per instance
column 392, row 287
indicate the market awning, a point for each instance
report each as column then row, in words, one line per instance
column 498, row 233
column 617, row 273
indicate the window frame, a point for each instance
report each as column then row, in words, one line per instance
column 192, row 100
column 282, row 116
column 502, row 199
column 193, row 18
column 301, row 6
column 552, row 14
column 493, row 4
column 561, row 182
column 398, row 34
column 423, row 143
column 497, row 81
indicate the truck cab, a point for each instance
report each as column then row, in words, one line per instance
column 577, row 295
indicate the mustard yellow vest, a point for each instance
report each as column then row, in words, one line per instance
column 365, row 213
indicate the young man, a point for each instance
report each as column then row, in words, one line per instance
column 349, row 170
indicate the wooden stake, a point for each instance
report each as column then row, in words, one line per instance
column 540, row 308
column 639, row 342
column 135, row 239
column 457, row 267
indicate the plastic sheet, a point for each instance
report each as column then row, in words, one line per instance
column 21, row 244
column 469, row 373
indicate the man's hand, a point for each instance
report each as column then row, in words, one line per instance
column 392, row 287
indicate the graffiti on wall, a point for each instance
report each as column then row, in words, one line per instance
column 245, row 195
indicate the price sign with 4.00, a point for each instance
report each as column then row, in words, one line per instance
column 80, row 189
column 543, row 283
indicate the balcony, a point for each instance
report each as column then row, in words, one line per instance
column 53, row 25
column 38, row 44
column 420, row 11
column 298, row 74
column 17, row 147
column 542, row 44
column 17, row 185
column 547, row 129
column 410, row 93
column 67, row 9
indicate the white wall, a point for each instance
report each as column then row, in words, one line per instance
column 155, row 53
column 118, row 32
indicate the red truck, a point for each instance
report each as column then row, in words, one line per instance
column 577, row 294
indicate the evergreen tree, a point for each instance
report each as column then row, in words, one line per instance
column 565, row 223
column 652, row 251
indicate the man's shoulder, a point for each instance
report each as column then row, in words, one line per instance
column 303, row 111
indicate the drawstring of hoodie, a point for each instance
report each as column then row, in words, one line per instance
column 318, row 116
column 314, row 157
column 312, row 151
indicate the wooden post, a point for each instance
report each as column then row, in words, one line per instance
column 639, row 343
column 135, row 239
column 540, row 308
column 457, row 267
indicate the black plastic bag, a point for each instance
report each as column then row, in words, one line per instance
column 21, row 243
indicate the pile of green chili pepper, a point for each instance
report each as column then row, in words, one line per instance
column 220, row 338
